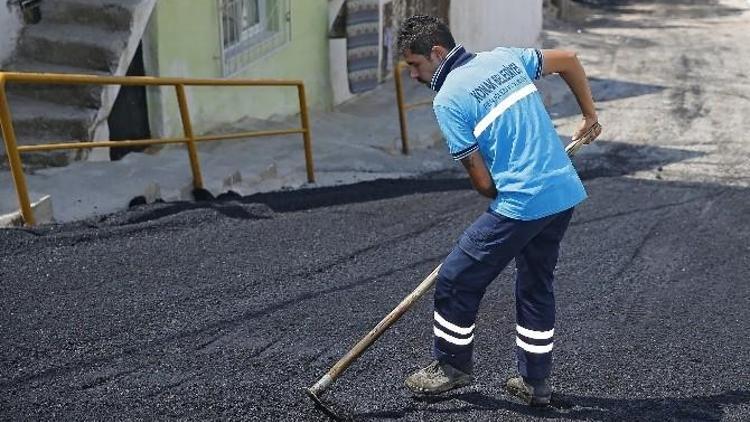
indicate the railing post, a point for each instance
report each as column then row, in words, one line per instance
column 187, row 128
column 306, row 134
column 401, row 109
column 14, row 158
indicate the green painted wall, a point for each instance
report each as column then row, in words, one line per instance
column 184, row 41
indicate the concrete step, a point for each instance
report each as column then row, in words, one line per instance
column 114, row 15
column 36, row 121
column 89, row 96
column 40, row 122
column 72, row 45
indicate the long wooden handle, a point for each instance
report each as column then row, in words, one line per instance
column 374, row 334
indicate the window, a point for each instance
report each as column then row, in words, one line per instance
column 251, row 29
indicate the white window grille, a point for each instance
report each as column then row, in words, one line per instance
column 250, row 29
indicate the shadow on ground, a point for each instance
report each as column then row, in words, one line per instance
column 603, row 90
column 571, row 407
column 607, row 159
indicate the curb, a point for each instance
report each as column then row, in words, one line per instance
column 42, row 210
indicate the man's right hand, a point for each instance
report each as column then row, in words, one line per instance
column 589, row 127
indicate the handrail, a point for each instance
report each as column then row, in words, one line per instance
column 13, row 151
column 403, row 107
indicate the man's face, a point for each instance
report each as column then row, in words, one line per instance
column 423, row 67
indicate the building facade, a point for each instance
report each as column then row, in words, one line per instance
column 338, row 48
column 253, row 39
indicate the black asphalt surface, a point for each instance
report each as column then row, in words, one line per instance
column 228, row 309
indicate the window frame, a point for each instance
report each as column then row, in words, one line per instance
column 244, row 41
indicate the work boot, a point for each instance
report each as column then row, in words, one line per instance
column 437, row 377
column 533, row 392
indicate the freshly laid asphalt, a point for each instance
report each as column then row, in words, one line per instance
column 228, row 309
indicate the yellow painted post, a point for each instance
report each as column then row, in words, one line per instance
column 401, row 109
column 306, row 134
column 187, row 128
column 14, row 158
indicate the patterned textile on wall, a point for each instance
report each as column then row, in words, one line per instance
column 362, row 19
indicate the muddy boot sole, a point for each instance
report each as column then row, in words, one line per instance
column 422, row 391
column 526, row 397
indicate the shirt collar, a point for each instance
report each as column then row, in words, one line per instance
column 455, row 58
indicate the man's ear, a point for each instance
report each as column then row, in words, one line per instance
column 438, row 52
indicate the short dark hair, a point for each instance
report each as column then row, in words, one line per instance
column 420, row 33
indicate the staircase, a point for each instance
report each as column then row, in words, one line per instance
column 94, row 37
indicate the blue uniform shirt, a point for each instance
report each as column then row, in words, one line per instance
column 490, row 104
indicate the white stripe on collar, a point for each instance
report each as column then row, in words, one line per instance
column 436, row 75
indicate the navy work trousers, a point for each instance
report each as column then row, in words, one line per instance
column 483, row 251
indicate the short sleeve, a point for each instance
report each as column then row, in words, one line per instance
column 457, row 132
column 532, row 59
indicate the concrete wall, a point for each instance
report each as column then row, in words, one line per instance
column 482, row 25
column 185, row 42
column 10, row 26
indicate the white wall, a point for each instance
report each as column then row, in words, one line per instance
column 482, row 25
column 10, row 26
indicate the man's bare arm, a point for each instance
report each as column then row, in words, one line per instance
column 566, row 64
column 479, row 175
